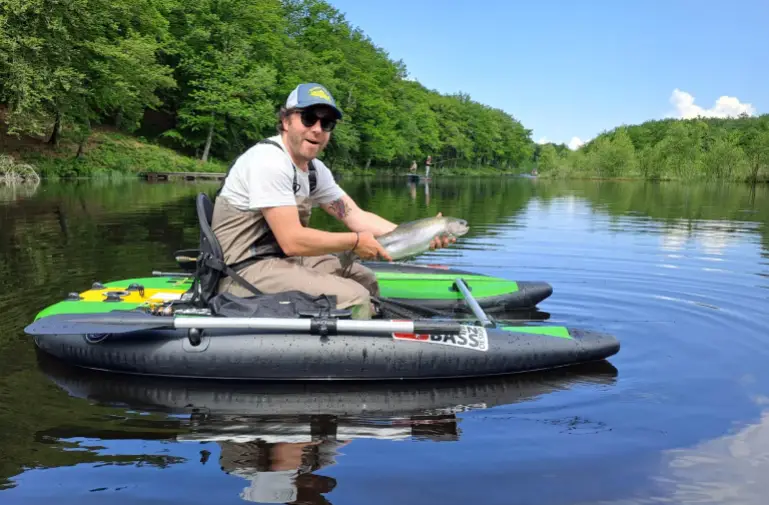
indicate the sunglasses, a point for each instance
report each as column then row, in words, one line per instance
column 310, row 117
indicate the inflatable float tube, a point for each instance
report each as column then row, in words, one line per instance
column 244, row 354
column 144, row 342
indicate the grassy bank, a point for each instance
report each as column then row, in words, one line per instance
column 106, row 154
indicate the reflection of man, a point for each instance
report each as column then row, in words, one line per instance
column 282, row 454
column 281, row 472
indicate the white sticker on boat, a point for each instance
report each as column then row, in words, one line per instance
column 166, row 297
column 469, row 337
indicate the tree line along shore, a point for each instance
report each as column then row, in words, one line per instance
column 127, row 86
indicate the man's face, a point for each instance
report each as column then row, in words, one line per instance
column 306, row 142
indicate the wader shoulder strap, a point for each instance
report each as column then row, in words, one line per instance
column 312, row 172
column 219, row 265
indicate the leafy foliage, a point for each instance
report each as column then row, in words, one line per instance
column 703, row 149
column 217, row 71
column 80, row 60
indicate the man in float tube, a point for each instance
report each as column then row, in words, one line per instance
column 262, row 214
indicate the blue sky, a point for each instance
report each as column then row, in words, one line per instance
column 574, row 69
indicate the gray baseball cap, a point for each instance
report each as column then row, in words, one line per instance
column 311, row 93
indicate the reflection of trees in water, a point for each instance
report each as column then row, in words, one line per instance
column 713, row 213
column 15, row 191
column 713, row 237
column 482, row 200
column 666, row 200
column 84, row 232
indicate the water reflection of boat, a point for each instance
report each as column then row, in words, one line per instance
column 275, row 435
column 351, row 398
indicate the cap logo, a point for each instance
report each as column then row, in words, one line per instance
column 319, row 92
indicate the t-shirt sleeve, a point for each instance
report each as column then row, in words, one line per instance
column 270, row 181
column 327, row 189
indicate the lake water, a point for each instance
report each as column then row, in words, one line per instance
column 678, row 272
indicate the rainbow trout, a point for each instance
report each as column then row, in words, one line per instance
column 414, row 237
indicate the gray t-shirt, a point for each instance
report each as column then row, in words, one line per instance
column 263, row 176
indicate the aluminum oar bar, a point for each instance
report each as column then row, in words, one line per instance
column 472, row 302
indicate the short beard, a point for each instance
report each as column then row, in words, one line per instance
column 295, row 141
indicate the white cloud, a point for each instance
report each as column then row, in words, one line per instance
column 725, row 106
column 575, row 143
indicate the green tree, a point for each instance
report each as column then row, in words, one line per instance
column 613, row 156
column 225, row 87
column 80, row 61
column 548, row 161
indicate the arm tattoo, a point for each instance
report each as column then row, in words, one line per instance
column 340, row 208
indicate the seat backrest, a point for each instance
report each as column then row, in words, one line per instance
column 205, row 209
column 207, row 277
